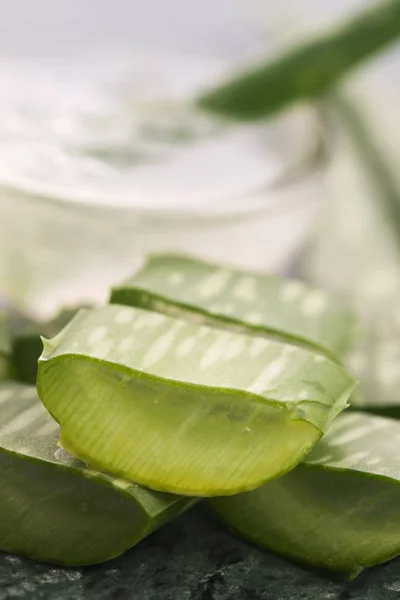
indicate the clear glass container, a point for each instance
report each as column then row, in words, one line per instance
column 103, row 164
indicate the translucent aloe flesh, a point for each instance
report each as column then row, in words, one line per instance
column 223, row 297
column 339, row 509
column 53, row 507
column 309, row 69
column 185, row 408
column 27, row 346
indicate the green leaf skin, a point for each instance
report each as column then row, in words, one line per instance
column 338, row 510
column 27, row 346
column 185, row 408
column 4, row 347
column 307, row 70
column 249, row 302
column 55, row 509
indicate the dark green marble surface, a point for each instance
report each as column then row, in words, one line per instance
column 191, row 559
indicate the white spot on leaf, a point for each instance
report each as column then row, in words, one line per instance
column 214, row 353
column 214, row 284
column 126, row 345
column 321, row 460
column 103, row 349
column 291, row 291
column 97, row 335
column 318, row 358
column 314, row 303
column 234, row 348
column 162, row 345
column 351, row 435
column 268, row 375
column 349, row 460
column 175, row 278
column 258, row 346
column 124, row 316
column 255, row 317
column 246, row 289
column 186, row 346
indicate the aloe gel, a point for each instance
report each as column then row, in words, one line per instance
column 338, row 510
column 249, row 302
column 185, row 408
column 53, row 507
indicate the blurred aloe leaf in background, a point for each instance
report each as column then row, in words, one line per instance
column 308, row 69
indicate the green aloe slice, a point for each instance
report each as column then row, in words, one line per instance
column 27, row 346
column 309, row 69
column 339, row 509
column 53, row 507
column 185, row 408
column 264, row 305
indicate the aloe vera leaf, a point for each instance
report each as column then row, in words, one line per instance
column 54, row 508
column 185, row 408
column 27, row 346
column 264, row 305
column 307, row 70
column 338, row 510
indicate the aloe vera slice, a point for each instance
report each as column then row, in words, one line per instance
column 27, row 346
column 53, row 507
column 339, row 509
column 185, row 408
column 264, row 305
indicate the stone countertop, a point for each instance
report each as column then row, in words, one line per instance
column 193, row 558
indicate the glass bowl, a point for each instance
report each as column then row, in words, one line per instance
column 102, row 163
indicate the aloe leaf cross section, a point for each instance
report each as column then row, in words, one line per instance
column 56, row 509
column 185, row 408
column 338, row 510
column 250, row 302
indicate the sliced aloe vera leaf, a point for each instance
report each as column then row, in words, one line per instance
column 27, row 346
column 53, row 507
column 185, row 408
column 307, row 70
column 339, row 509
column 264, row 305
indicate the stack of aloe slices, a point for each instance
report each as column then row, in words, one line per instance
column 213, row 383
